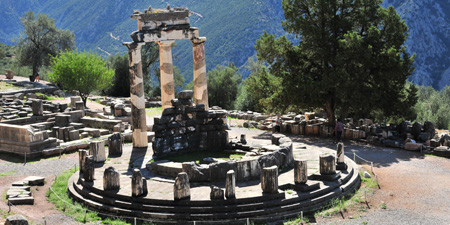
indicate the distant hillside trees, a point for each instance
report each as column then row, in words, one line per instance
column 258, row 92
column 223, row 83
column 82, row 72
column 351, row 58
column 433, row 106
column 40, row 40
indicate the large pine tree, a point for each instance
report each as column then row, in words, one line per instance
column 351, row 57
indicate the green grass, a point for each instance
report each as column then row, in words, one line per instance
column 49, row 98
column 7, row 87
column 155, row 111
column 298, row 220
column 197, row 156
column 9, row 173
column 368, row 186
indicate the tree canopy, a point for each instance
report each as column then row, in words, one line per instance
column 351, row 58
column 40, row 40
column 82, row 72
column 223, row 82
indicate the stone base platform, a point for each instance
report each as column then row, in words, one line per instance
column 159, row 206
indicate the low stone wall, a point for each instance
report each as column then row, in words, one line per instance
column 245, row 169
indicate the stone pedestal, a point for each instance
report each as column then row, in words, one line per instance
column 82, row 159
column 38, row 108
column 62, row 120
column 166, row 70
column 73, row 101
column 230, row 185
column 340, row 153
column 216, row 193
column 111, row 179
column 115, row 144
column 138, row 184
column 79, row 105
column 269, row 180
column 181, row 188
column 97, row 150
column 300, row 172
column 200, row 81
column 340, row 163
column 88, row 169
column 137, row 95
column 327, row 164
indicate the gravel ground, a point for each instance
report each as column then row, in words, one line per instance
column 414, row 187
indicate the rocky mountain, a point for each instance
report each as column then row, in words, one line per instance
column 231, row 28
column 429, row 38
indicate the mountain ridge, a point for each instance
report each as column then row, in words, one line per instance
column 231, row 28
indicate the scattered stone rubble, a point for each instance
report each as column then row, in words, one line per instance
column 413, row 137
column 20, row 192
column 34, row 127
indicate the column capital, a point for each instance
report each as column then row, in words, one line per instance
column 199, row 40
column 133, row 45
column 165, row 43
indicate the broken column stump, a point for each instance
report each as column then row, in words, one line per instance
column 115, row 144
column 230, row 185
column 216, row 193
column 181, row 188
column 37, row 107
column 111, row 179
column 82, row 159
column 73, row 101
column 97, row 150
column 340, row 164
column 269, row 180
column 138, row 184
column 300, row 171
column 327, row 164
column 89, row 167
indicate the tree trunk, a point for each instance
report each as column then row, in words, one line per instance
column 84, row 99
column 35, row 72
column 329, row 108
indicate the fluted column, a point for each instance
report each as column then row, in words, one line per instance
column 137, row 95
column 200, row 82
column 166, row 68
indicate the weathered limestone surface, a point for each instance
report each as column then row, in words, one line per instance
column 200, row 81
column 216, row 193
column 166, row 70
column 300, row 171
column 97, row 150
column 38, row 109
column 230, row 185
column 73, row 101
column 138, row 184
column 182, row 188
column 115, row 144
column 327, row 164
column 140, row 139
column 82, row 159
column 340, row 153
column 16, row 219
column 79, row 105
column 269, row 180
column 89, row 167
column 111, row 179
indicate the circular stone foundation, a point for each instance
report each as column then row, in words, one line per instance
column 250, row 202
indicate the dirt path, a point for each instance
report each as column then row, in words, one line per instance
column 414, row 187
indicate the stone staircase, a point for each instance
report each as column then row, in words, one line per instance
column 262, row 208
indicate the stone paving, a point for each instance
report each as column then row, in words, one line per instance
column 160, row 187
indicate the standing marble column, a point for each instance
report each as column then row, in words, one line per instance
column 200, row 82
column 166, row 69
column 137, row 95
